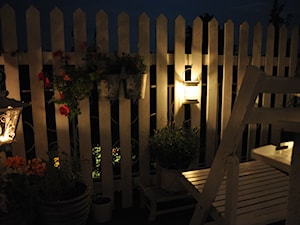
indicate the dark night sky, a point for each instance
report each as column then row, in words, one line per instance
column 251, row 11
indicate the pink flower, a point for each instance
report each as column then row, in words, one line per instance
column 47, row 82
column 64, row 110
column 41, row 75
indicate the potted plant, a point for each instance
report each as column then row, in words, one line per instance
column 41, row 190
column 106, row 71
column 173, row 148
column 101, row 208
column 136, row 77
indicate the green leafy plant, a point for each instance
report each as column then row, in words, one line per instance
column 174, row 147
column 134, row 64
column 73, row 84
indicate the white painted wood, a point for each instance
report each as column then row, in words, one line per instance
column 212, row 92
column 37, row 89
column 102, row 39
column 125, row 118
column 84, row 131
column 58, row 43
column 179, row 76
column 144, row 104
column 161, row 72
column 10, row 46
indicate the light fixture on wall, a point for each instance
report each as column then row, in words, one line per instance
column 191, row 88
column 191, row 92
column 10, row 110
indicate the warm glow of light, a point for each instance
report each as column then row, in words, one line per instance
column 191, row 92
column 8, row 123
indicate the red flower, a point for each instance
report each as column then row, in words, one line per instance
column 36, row 166
column 47, row 82
column 58, row 53
column 41, row 75
column 16, row 162
column 61, row 95
column 67, row 77
column 64, row 110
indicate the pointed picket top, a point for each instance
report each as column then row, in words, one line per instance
column 32, row 11
column 56, row 11
column 79, row 12
column 229, row 22
column 123, row 15
column 144, row 16
column 101, row 13
column 7, row 9
column 162, row 18
column 244, row 25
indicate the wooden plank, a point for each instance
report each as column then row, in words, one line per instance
column 179, row 70
column 10, row 45
column 227, row 74
column 84, row 131
column 293, row 216
column 144, row 104
column 243, row 53
column 125, row 118
column 37, row 89
column 102, row 40
column 58, row 43
column 161, row 71
column 196, row 58
column 231, row 189
column 268, row 68
column 276, row 132
column 293, row 52
column 256, row 61
column 212, row 93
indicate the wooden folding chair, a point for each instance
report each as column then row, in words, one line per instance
column 252, row 192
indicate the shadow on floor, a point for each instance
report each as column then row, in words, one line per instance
column 139, row 216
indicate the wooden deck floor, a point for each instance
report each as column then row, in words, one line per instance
column 139, row 216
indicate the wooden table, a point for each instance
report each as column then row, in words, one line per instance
column 279, row 158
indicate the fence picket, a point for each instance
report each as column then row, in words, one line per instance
column 57, row 43
column 104, row 114
column 227, row 74
column 268, row 68
column 9, row 38
column 125, row 118
column 35, row 63
column 144, row 104
column 161, row 72
column 217, row 109
column 212, row 92
column 84, row 131
column 179, row 70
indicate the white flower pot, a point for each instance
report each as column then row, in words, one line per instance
column 101, row 208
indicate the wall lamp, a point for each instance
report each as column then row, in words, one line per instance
column 10, row 111
column 191, row 89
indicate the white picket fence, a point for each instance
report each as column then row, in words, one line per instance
column 220, row 76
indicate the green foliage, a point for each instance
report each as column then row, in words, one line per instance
column 174, row 147
column 134, row 64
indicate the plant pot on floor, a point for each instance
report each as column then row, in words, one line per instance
column 101, row 208
column 74, row 211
